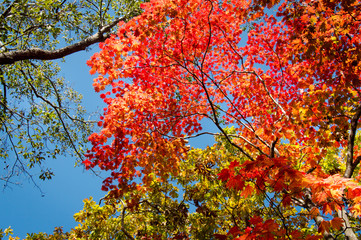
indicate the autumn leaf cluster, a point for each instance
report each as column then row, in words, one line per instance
column 280, row 81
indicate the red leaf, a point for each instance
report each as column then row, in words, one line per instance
column 220, row 236
column 224, row 175
column 233, row 164
column 234, row 231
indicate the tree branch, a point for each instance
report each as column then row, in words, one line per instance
column 309, row 205
column 123, row 228
column 7, row 11
column 350, row 164
column 41, row 54
column 350, row 167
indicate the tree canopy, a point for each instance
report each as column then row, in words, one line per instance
column 280, row 81
column 284, row 76
column 41, row 115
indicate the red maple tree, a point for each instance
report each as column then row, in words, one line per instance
column 286, row 77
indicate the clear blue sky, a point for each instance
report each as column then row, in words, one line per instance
column 23, row 207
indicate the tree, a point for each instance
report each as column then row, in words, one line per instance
column 286, row 78
column 204, row 210
column 41, row 116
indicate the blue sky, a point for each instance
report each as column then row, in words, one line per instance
column 25, row 209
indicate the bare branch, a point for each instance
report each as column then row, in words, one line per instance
column 41, row 54
column 57, row 112
column 123, row 228
column 350, row 167
column 309, row 205
column 350, row 164
column 21, row 165
column 7, row 11
column 349, row 233
column 273, row 149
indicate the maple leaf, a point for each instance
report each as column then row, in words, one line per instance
column 234, row 231
column 285, row 102
column 247, row 191
column 324, row 227
column 235, row 182
column 286, row 201
column 224, row 175
column 233, row 164
column 337, row 223
column 87, row 163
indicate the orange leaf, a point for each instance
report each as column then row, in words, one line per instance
column 248, row 190
column 314, row 212
column 324, row 227
column 327, row 209
column 259, row 131
column 92, row 71
column 337, row 223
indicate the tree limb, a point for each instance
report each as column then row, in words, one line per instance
column 350, row 164
column 350, row 167
column 7, row 11
column 123, row 228
column 41, row 54
column 309, row 205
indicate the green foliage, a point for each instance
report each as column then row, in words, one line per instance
column 41, row 116
column 45, row 24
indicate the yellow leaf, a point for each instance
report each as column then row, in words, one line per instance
column 356, row 210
